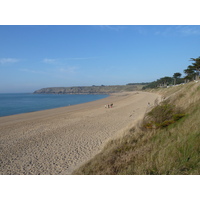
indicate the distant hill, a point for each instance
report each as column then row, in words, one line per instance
column 89, row 89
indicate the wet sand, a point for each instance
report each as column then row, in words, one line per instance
column 57, row 141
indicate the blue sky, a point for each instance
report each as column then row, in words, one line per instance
column 34, row 57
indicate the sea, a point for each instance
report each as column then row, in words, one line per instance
column 12, row 104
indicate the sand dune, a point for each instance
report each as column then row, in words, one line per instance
column 57, row 141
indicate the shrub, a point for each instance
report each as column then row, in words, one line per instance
column 176, row 117
column 162, row 116
column 166, row 123
column 161, row 113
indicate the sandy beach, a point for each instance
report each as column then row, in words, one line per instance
column 57, row 141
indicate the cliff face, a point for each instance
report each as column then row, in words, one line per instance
column 87, row 90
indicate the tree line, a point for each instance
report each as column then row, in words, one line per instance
column 191, row 73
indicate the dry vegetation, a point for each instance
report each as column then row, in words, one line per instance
column 170, row 149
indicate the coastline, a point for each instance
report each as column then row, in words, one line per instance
column 59, row 140
column 20, row 103
column 49, row 112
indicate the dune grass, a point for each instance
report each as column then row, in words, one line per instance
column 170, row 150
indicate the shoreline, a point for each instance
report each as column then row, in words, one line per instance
column 59, row 140
column 58, row 106
column 51, row 111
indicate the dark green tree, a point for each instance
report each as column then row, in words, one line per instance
column 190, row 73
column 176, row 76
column 165, row 81
column 196, row 66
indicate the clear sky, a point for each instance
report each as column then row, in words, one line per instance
column 34, row 57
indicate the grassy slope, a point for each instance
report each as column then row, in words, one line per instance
column 173, row 150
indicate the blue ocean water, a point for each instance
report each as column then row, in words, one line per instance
column 11, row 104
